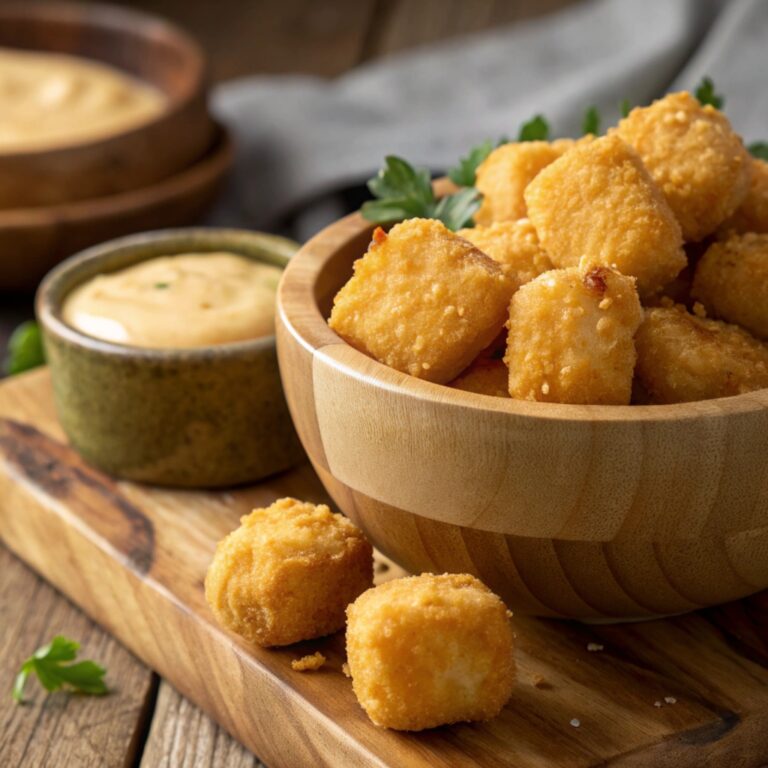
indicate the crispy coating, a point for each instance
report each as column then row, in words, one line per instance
column 503, row 176
column 731, row 282
column 598, row 201
column 570, row 337
column 681, row 357
column 422, row 300
column 288, row 573
column 486, row 376
column 694, row 155
column 752, row 214
column 429, row 650
column 514, row 245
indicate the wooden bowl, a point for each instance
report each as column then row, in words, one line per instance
column 142, row 45
column 33, row 240
column 589, row 512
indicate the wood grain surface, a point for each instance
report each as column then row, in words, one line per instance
column 134, row 559
column 574, row 511
column 63, row 730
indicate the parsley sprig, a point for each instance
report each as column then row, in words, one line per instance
column 48, row 663
column 706, row 94
column 405, row 192
column 25, row 349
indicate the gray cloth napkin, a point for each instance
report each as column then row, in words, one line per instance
column 301, row 137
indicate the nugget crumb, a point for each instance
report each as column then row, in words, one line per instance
column 308, row 663
column 539, row 681
column 345, row 670
column 595, row 647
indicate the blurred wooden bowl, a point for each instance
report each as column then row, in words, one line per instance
column 597, row 513
column 33, row 240
column 141, row 45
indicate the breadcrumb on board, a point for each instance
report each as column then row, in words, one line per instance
column 308, row 663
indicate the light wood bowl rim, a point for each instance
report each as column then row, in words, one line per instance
column 119, row 18
column 298, row 310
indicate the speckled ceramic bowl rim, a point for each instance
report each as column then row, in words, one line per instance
column 51, row 295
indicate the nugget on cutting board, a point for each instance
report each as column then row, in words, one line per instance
column 503, row 176
column 682, row 357
column 429, row 650
column 752, row 214
column 422, row 300
column 570, row 337
column 731, row 281
column 288, row 573
column 486, row 376
column 598, row 201
column 694, row 155
column 514, row 245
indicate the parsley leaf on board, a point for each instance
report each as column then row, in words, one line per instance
column 465, row 173
column 706, row 94
column 759, row 150
column 591, row 122
column 536, row 129
column 405, row 192
column 47, row 663
column 25, row 349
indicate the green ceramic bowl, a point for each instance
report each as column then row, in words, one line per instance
column 208, row 417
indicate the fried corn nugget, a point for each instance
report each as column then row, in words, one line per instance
column 288, row 573
column 422, row 300
column 694, row 155
column 598, row 201
column 731, row 282
column 570, row 337
column 429, row 650
column 681, row 357
column 514, row 245
column 506, row 172
column 486, row 376
column 752, row 214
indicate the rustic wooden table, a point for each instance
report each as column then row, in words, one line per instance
column 145, row 722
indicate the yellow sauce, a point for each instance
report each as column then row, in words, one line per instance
column 50, row 100
column 190, row 300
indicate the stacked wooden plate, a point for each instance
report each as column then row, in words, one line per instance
column 165, row 172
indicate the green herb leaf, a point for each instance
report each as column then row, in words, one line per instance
column 759, row 149
column 405, row 192
column 25, row 349
column 47, row 663
column 162, row 286
column 465, row 173
column 536, row 129
column 591, row 122
column 706, row 94
column 456, row 211
column 625, row 107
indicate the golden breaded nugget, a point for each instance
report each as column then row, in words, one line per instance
column 430, row 650
column 422, row 300
column 570, row 337
column 288, row 573
column 515, row 245
column 681, row 357
column 598, row 201
column 752, row 214
column 731, row 281
column 694, row 155
column 485, row 376
column 506, row 172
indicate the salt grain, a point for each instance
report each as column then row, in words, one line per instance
column 657, row 704
column 595, row 647
column 575, row 722
column 670, row 699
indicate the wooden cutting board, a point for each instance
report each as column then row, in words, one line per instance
column 688, row 691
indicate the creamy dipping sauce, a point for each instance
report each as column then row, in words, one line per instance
column 49, row 99
column 190, row 300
